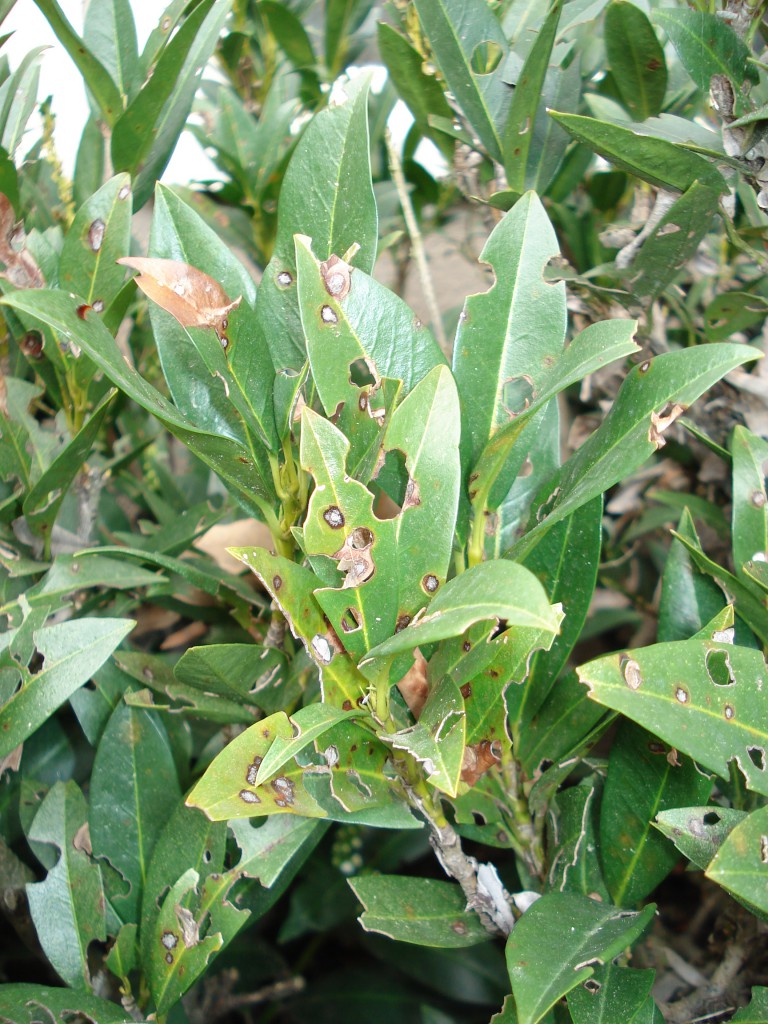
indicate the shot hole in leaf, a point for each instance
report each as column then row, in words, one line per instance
column 350, row 621
column 719, row 668
column 711, row 818
column 757, row 757
column 517, row 394
column 486, row 57
column 362, row 372
column 390, row 485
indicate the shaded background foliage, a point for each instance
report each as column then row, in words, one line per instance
column 613, row 148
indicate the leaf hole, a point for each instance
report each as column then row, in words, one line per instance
column 719, row 668
column 592, row 986
column 362, row 373
column 517, row 394
column 764, row 849
column 350, row 621
column 478, row 818
column 390, row 486
column 711, row 818
column 486, row 57
column 501, row 627
column 757, row 757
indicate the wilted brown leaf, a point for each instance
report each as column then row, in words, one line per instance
column 20, row 266
column 189, row 295
column 413, row 686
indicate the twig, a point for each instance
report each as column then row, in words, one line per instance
column 691, row 1006
column 396, row 169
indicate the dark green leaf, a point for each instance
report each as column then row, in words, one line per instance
column 22, row 1004
column 655, row 160
column 68, row 906
column 327, row 194
column 232, row 461
column 100, row 234
column 757, row 1011
column 72, row 652
column 651, row 397
column 456, row 29
column 555, row 943
column 134, row 788
column 43, row 501
column 573, row 841
column 703, row 697
column 689, row 598
column 109, row 32
column 749, row 525
column 96, row 77
column 636, row 59
column 741, row 863
column 491, row 590
column 620, row 995
column 673, row 241
column 707, row 46
column 644, row 777
column 698, row 832
column 526, row 99
column 418, row 910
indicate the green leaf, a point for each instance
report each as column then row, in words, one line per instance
column 438, row 739
column 563, row 725
column 308, row 724
column 177, row 931
column 327, row 194
column 235, row 671
column 748, row 605
column 620, row 995
column 572, row 838
column 733, row 311
column 392, row 566
column 123, row 956
column 519, row 132
column 346, row 783
column 159, row 35
column 700, row 696
column 134, row 787
column 673, row 241
column 456, row 29
column 698, row 832
column 95, row 75
column 689, row 599
column 342, row 17
column 231, row 460
column 157, row 116
column 749, row 517
column 513, row 331
column 289, row 32
column 68, row 907
column 653, row 394
column 757, row 1011
column 23, row 1004
column 566, row 562
column 109, row 32
column 42, row 503
column 741, row 863
column 369, row 323
column 71, row 652
column 707, row 46
column 491, row 590
column 420, row 92
column 555, row 943
column 594, row 347
column 100, row 234
column 293, row 587
column 644, row 777
column 132, row 134
column 655, row 160
column 19, row 93
column 245, row 370
column 636, row 59
column 418, row 910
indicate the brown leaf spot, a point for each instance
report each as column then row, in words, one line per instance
column 758, row 499
column 430, row 583
column 336, row 277
column 466, row 691
column 413, row 686
column 681, row 695
column 459, row 927
column 277, row 582
column 169, row 939
column 347, row 705
column 285, row 789
column 20, row 266
column 248, row 797
column 631, row 672
column 334, row 517
column 402, row 621
column 478, row 759
column 284, row 278
column 32, row 345
column 96, row 234
column 82, row 310
column 728, row 711
column 328, row 315
column 82, row 839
